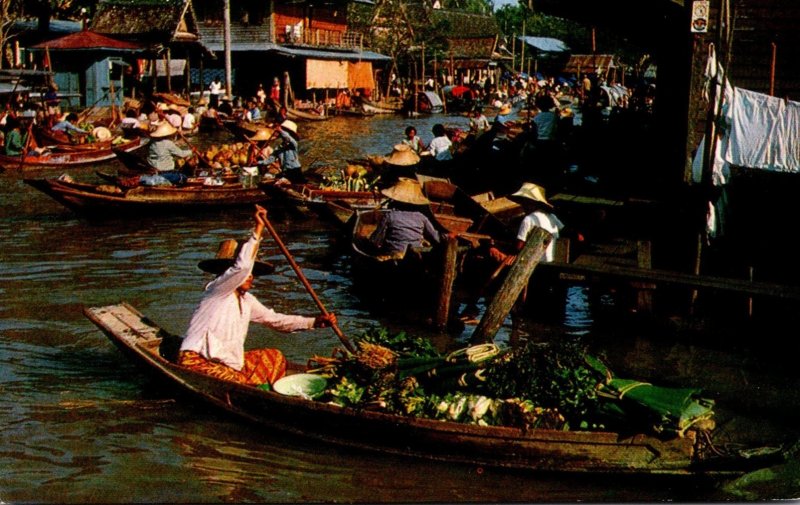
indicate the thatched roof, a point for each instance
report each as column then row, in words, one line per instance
column 464, row 25
column 470, row 36
column 146, row 21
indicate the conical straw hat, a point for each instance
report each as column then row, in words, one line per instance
column 531, row 191
column 402, row 155
column 164, row 129
column 406, row 191
column 262, row 134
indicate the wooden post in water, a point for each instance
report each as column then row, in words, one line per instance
column 448, row 280
column 515, row 282
column 644, row 293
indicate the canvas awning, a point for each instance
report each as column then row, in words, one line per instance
column 591, row 63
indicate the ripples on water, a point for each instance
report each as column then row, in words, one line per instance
column 81, row 424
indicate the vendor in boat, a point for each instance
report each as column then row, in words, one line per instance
column 404, row 225
column 286, row 154
column 15, row 138
column 162, row 152
column 67, row 125
column 440, row 146
column 260, row 149
column 215, row 340
column 413, row 140
column 539, row 214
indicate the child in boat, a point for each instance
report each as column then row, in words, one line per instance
column 214, row 341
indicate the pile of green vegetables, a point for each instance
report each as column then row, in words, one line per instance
column 554, row 386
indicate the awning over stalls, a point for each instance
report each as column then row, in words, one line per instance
column 471, row 63
column 592, row 63
column 326, row 74
column 329, row 74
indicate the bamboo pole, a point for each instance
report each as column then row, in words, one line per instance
column 306, row 284
column 515, row 282
column 772, row 70
column 227, row 45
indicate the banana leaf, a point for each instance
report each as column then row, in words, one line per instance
column 666, row 410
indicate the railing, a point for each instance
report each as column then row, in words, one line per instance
column 321, row 38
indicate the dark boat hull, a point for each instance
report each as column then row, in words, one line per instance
column 103, row 201
column 502, row 447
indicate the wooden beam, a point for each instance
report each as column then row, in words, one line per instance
column 743, row 286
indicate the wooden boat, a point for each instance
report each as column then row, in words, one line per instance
column 394, row 106
column 106, row 200
column 311, row 197
column 301, row 115
column 66, row 156
column 553, row 451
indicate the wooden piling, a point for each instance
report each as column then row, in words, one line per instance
column 516, row 280
column 448, row 281
column 644, row 293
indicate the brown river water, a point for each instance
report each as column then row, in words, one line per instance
column 81, row 424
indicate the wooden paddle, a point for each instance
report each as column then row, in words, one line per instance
column 306, row 284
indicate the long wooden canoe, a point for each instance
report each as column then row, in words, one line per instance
column 68, row 157
column 106, row 200
column 153, row 348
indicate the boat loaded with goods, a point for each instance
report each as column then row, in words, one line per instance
column 553, row 408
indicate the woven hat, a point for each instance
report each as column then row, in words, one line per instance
column 402, row 155
column 290, row 125
column 162, row 106
column 164, row 129
column 101, row 133
column 262, row 134
column 531, row 191
column 226, row 257
column 406, row 191
column 505, row 109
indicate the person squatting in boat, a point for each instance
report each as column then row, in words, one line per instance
column 215, row 340
column 404, row 225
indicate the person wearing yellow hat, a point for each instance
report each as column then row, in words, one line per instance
column 162, row 152
column 215, row 339
column 404, row 225
column 286, row 154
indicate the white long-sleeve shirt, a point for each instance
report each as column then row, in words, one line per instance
column 219, row 324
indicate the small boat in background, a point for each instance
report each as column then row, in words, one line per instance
column 68, row 156
column 103, row 201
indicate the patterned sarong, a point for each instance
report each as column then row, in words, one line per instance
column 260, row 366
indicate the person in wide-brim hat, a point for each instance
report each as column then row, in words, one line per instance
column 262, row 134
column 214, row 343
column 163, row 130
column 402, row 155
column 291, row 127
column 531, row 192
column 405, row 223
column 406, row 191
column 504, row 110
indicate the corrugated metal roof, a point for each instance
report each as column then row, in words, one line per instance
column 321, row 54
column 545, row 44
